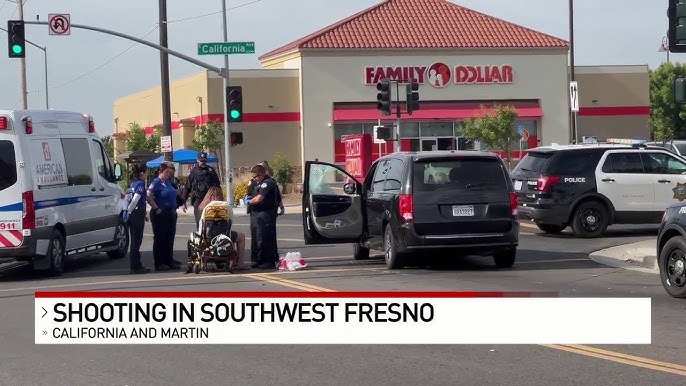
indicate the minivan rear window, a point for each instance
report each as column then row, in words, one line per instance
column 8, row 165
column 458, row 174
column 534, row 161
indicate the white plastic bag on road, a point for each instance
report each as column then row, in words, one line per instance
column 293, row 261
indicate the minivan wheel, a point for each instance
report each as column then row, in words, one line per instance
column 121, row 240
column 360, row 252
column 550, row 228
column 505, row 258
column 672, row 264
column 393, row 258
column 590, row 219
column 56, row 253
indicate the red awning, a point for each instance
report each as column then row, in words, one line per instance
column 341, row 114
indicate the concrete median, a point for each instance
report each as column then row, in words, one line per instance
column 640, row 256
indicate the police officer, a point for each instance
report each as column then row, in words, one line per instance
column 199, row 182
column 253, row 222
column 263, row 212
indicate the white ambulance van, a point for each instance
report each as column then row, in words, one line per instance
column 59, row 192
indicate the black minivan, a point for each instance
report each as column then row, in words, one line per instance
column 410, row 202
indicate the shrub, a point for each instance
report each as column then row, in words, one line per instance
column 283, row 170
column 240, row 187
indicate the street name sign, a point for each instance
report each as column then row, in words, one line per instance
column 226, row 48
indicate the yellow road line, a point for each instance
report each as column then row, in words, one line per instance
column 613, row 356
column 626, row 359
column 291, row 283
column 528, row 225
column 284, row 283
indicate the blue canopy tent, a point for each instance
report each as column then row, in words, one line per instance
column 181, row 156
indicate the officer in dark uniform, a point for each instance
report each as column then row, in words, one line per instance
column 252, row 187
column 263, row 212
column 199, row 182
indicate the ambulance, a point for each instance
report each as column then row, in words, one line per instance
column 59, row 192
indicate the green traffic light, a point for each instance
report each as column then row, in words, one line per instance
column 17, row 49
column 235, row 114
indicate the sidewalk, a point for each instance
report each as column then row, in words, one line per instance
column 241, row 212
column 641, row 256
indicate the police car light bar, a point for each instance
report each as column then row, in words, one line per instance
column 625, row 141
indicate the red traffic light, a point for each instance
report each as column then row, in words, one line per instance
column 236, row 138
column 234, row 94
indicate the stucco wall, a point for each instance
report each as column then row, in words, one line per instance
column 540, row 76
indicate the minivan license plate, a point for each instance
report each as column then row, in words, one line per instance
column 518, row 185
column 463, row 210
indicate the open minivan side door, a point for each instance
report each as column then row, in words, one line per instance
column 332, row 205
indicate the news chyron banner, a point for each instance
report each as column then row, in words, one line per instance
column 337, row 318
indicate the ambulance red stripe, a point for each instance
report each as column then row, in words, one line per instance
column 17, row 236
column 287, row 294
column 4, row 242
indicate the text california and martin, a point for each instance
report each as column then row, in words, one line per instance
column 130, row 333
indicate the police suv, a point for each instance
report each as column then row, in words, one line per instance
column 59, row 192
column 592, row 186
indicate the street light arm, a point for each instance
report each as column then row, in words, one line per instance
column 30, row 42
column 179, row 55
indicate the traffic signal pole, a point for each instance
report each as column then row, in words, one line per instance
column 223, row 72
column 228, row 172
column 22, row 61
column 219, row 71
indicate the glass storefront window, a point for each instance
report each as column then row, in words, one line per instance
column 339, row 130
column 409, row 129
column 436, row 129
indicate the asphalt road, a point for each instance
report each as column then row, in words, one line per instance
column 545, row 263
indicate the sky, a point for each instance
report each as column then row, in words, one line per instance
column 87, row 70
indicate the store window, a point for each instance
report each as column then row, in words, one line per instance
column 436, row 129
column 340, row 130
column 409, row 129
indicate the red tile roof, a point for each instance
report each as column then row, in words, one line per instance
column 421, row 24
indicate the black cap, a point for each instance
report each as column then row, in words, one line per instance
column 202, row 156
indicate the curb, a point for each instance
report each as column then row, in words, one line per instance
column 633, row 256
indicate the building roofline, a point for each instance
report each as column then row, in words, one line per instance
column 612, row 69
column 296, row 45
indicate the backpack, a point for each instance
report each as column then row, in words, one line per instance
column 200, row 182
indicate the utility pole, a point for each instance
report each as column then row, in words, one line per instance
column 396, row 143
column 571, row 64
column 164, row 71
column 228, row 173
column 22, row 61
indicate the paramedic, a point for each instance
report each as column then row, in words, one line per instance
column 162, row 200
column 137, row 216
column 263, row 212
column 199, row 182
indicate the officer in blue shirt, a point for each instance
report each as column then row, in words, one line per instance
column 137, row 216
column 163, row 204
